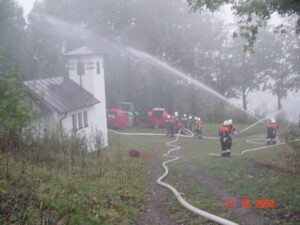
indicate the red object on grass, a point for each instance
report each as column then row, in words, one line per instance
column 134, row 153
column 157, row 117
column 117, row 118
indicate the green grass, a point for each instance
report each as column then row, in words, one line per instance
column 270, row 173
column 110, row 188
column 110, row 193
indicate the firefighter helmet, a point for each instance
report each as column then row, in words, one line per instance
column 230, row 122
column 226, row 123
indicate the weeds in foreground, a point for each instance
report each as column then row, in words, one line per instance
column 56, row 180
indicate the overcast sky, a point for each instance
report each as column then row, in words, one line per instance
column 27, row 5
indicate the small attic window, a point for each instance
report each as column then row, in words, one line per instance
column 80, row 68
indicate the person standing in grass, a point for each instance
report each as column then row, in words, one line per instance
column 190, row 123
column 224, row 137
column 198, row 128
column 232, row 132
column 271, row 131
column 168, row 124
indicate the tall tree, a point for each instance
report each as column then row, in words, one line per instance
column 12, row 33
column 252, row 14
column 281, row 65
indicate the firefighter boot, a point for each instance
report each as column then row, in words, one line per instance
column 228, row 152
column 223, row 153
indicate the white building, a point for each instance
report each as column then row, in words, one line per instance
column 77, row 102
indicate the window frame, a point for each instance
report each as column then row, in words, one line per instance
column 80, row 121
column 85, row 119
column 74, row 122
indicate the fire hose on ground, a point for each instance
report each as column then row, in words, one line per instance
column 174, row 147
column 181, row 200
column 258, row 141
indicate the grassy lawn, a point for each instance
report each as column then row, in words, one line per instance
column 106, row 188
column 109, row 187
column 267, row 174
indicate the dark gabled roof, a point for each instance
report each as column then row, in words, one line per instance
column 61, row 94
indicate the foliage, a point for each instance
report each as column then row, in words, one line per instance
column 281, row 70
column 252, row 14
column 58, row 181
column 15, row 109
column 14, row 44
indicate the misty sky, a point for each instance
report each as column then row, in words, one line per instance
column 27, row 5
column 264, row 101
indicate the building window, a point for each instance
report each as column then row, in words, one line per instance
column 74, row 122
column 85, row 119
column 98, row 67
column 80, row 68
column 80, row 124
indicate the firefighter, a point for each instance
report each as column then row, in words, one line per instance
column 184, row 120
column 173, row 125
column 198, row 128
column 176, row 115
column 180, row 127
column 232, row 132
column 170, row 125
column 224, row 137
column 271, row 131
column 190, row 123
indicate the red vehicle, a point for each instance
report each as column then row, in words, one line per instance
column 117, row 118
column 157, row 117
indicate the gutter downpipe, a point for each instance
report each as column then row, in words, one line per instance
column 60, row 121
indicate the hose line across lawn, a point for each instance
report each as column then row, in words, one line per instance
column 258, row 141
column 181, row 200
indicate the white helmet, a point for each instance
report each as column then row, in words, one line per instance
column 168, row 116
column 230, row 122
column 190, row 117
column 175, row 113
column 226, row 123
column 272, row 120
column 184, row 115
column 199, row 119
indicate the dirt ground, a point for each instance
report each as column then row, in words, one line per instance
column 155, row 209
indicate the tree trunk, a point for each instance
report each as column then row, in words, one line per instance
column 279, row 102
column 244, row 99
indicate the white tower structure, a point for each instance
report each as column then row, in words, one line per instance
column 87, row 70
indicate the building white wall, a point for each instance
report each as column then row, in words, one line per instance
column 95, row 84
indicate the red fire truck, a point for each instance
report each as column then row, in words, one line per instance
column 117, row 118
column 157, row 117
